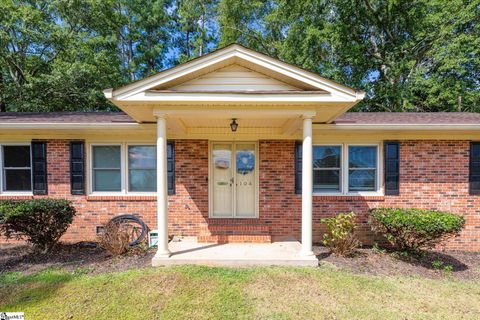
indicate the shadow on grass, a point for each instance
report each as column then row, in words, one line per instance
column 18, row 290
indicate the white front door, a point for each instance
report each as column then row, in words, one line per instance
column 233, row 179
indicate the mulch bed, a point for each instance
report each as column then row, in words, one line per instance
column 21, row 258
column 435, row 264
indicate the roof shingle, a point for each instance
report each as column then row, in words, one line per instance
column 413, row 118
column 65, row 117
column 350, row 118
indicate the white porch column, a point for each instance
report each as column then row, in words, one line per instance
column 162, row 189
column 307, row 187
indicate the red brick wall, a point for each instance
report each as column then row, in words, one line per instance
column 188, row 208
column 434, row 175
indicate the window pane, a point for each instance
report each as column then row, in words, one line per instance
column 142, row 180
column 107, row 180
column 142, row 157
column 16, row 156
column 142, row 164
column 326, row 180
column 361, row 180
column 326, row 156
column 106, row 157
column 18, row 180
column 362, row 157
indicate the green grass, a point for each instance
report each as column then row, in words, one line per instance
column 190, row 292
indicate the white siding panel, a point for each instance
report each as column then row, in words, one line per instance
column 233, row 78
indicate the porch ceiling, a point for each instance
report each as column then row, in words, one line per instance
column 224, row 122
column 267, row 122
column 144, row 112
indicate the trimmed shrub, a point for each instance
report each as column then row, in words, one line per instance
column 341, row 236
column 40, row 222
column 415, row 229
column 115, row 238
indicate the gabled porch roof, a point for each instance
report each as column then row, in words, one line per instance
column 237, row 78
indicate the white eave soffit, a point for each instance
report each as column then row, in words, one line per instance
column 240, row 55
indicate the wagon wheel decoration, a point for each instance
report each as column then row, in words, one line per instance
column 134, row 226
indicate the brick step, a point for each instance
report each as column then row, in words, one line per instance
column 235, row 233
column 225, row 229
column 233, row 238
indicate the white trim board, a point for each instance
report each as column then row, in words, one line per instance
column 230, row 55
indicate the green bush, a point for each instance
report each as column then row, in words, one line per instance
column 341, row 236
column 41, row 222
column 414, row 229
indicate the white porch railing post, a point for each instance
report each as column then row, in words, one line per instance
column 162, row 190
column 307, row 187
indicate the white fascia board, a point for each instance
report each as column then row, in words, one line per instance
column 108, row 93
column 152, row 96
column 62, row 126
column 228, row 53
column 399, row 127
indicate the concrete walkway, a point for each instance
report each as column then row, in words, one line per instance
column 236, row 254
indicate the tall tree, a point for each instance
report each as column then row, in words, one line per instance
column 196, row 28
column 408, row 55
column 48, row 61
column 59, row 55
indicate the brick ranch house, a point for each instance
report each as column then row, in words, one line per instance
column 174, row 158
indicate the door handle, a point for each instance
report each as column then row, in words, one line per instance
column 231, row 181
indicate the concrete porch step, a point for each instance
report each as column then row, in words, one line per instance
column 237, row 255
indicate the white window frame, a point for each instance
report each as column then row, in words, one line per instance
column 127, row 183
column 341, row 183
column 344, row 188
column 124, row 169
column 2, row 174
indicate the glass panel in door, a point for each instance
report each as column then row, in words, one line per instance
column 222, row 169
column 245, row 180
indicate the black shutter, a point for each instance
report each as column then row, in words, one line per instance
column 77, row 167
column 392, row 168
column 39, row 167
column 474, row 178
column 171, row 167
column 298, row 167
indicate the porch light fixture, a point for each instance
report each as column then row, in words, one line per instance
column 234, row 125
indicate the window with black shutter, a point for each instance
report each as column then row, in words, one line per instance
column 39, row 167
column 77, row 167
column 392, row 168
column 298, row 167
column 171, row 167
column 474, row 179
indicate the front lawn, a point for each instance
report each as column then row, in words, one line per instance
column 190, row 292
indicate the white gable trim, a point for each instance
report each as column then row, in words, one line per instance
column 233, row 52
column 155, row 96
